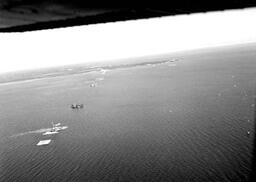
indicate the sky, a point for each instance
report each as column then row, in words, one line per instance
column 118, row 40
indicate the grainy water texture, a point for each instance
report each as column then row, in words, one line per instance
column 182, row 121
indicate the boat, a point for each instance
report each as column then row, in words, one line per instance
column 43, row 142
column 77, row 106
column 55, row 129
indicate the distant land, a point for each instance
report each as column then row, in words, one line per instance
column 115, row 64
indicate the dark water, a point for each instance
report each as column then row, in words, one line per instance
column 182, row 121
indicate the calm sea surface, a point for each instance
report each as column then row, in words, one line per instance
column 181, row 121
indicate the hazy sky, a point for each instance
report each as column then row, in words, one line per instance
column 81, row 44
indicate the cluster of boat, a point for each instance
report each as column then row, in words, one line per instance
column 51, row 131
column 56, row 128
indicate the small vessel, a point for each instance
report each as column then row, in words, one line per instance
column 55, row 129
column 43, row 142
column 77, row 106
column 93, row 85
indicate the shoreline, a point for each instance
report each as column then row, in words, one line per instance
column 65, row 70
